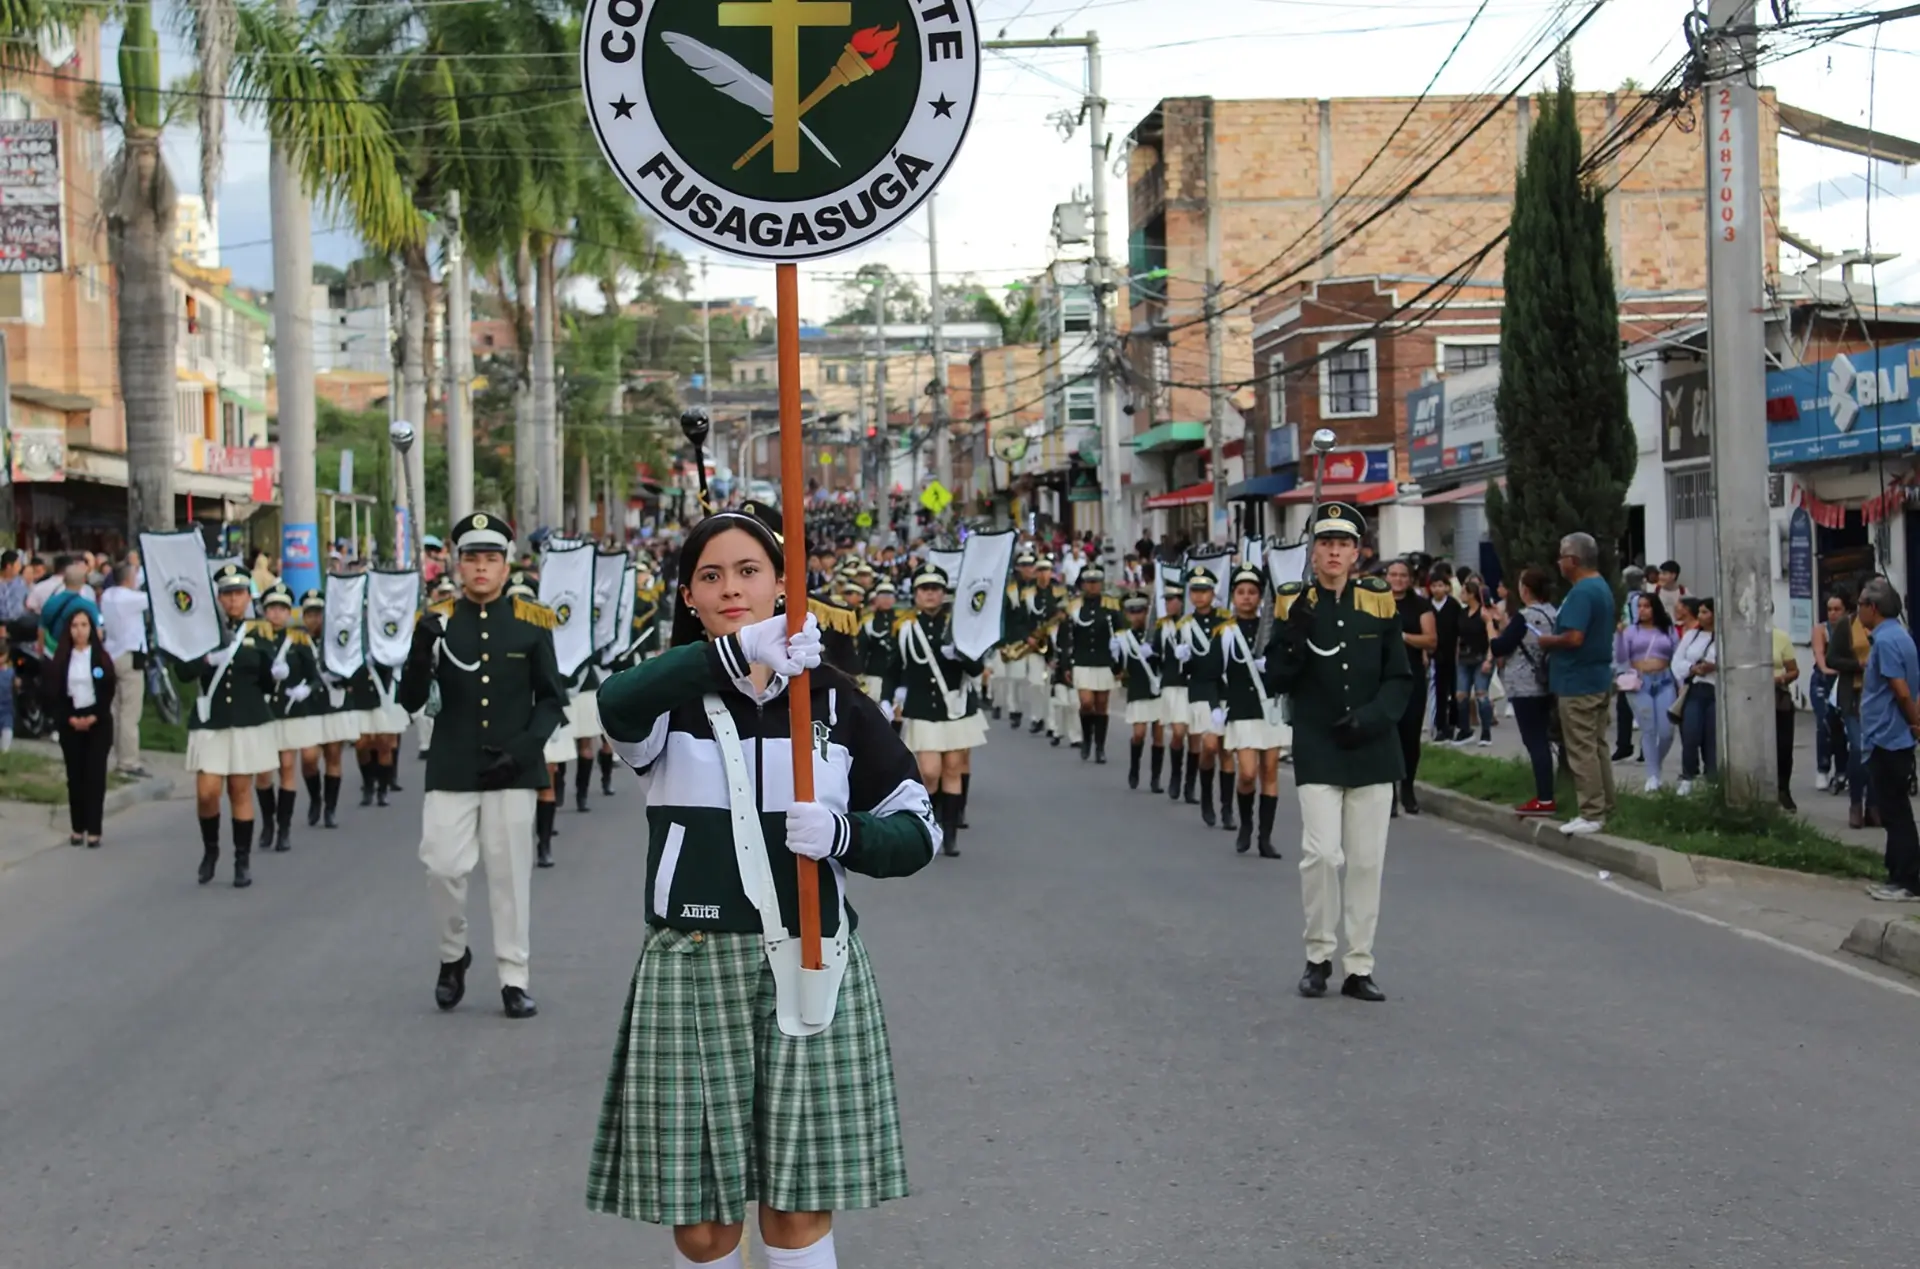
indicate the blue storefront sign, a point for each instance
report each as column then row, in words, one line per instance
column 1800, row 576
column 1423, row 430
column 1283, row 446
column 1854, row 404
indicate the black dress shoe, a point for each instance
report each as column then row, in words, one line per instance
column 1362, row 987
column 1055, row 742
column 1268, row 852
column 1036, row 727
column 393, row 781
column 1014, row 720
column 453, row 981
column 519, row 1004
column 1409, row 801
column 1313, row 983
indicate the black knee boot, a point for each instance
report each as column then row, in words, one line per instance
column 946, row 809
column 1086, row 734
column 1244, row 842
column 582, row 781
column 1134, row 750
column 242, row 854
column 209, row 847
column 543, row 833
column 313, row 799
column 1157, row 765
column 382, row 782
column 268, row 798
column 283, row 832
column 330, row 799
column 606, row 773
column 1100, row 738
column 1226, row 799
column 1269, row 804
column 966, row 787
column 392, row 766
column 1174, row 760
column 1207, row 816
column 367, row 778
column 1193, row 778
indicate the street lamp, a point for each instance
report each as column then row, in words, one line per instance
column 400, row 432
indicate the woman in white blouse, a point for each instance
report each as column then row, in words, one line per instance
column 1694, row 666
column 79, row 688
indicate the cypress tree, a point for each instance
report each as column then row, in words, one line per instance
column 1562, row 404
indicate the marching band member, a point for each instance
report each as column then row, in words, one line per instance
column 928, row 688
column 1166, row 642
column 1145, row 709
column 1253, row 727
column 371, row 692
column 230, row 734
column 296, row 730
column 1090, row 640
column 1017, row 623
column 711, row 1103
column 877, row 647
column 501, row 697
column 1047, row 606
column 1203, row 694
column 1336, row 651
column 339, row 725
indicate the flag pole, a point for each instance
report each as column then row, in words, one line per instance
column 793, row 515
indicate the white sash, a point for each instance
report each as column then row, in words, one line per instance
column 1232, row 639
column 924, row 655
column 204, row 705
column 1133, row 650
column 804, row 999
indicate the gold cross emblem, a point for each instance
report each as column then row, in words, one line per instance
column 784, row 18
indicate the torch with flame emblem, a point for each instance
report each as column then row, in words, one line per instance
column 868, row 50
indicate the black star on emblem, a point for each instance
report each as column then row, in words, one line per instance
column 622, row 109
column 942, row 108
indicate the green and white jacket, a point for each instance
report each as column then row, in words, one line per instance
column 655, row 714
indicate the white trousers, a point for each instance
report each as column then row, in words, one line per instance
column 129, row 698
column 425, row 725
column 1066, row 713
column 459, row 830
column 1349, row 826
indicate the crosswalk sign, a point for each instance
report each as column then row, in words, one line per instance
column 864, row 520
column 936, row 497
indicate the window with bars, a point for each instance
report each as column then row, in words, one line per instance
column 1693, row 494
column 1347, row 382
column 1076, row 317
column 1455, row 358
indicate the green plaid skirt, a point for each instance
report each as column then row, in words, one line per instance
column 709, row 1107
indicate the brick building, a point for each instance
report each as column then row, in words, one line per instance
column 1253, row 193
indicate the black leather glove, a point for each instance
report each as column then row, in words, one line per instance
column 1299, row 627
column 425, row 634
column 498, row 769
column 1347, row 731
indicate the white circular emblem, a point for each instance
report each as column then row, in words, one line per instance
column 780, row 129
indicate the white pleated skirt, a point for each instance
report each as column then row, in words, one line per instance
column 583, row 715
column 1199, row 718
column 1258, row 733
column 1173, row 705
column 342, row 726
column 231, row 751
column 383, row 720
column 924, row 736
column 1092, row 678
column 302, row 733
column 1150, row 711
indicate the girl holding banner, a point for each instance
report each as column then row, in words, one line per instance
column 295, row 731
column 1254, row 731
column 230, row 734
column 333, row 724
column 928, row 688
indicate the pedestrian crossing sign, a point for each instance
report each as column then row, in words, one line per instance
column 936, row 497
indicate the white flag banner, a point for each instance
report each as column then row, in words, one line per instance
column 1219, row 562
column 186, row 620
column 1164, row 574
column 981, row 593
column 566, row 586
column 1253, row 552
column 393, row 601
column 1286, row 563
column 608, row 568
column 623, row 616
column 947, row 562
column 346, row 624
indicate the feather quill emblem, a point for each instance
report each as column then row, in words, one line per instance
column 733, row 79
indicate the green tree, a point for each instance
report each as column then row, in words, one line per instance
column 1562, row 401
column 905, row 300
column 1018, row 318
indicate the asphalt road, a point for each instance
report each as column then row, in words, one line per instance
column 1102, row 1061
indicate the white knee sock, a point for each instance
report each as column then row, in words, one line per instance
column 818, row 1256
column 731, row 1260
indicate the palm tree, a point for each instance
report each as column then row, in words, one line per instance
column 1018, row 318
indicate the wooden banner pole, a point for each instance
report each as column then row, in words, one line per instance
column 793, row 515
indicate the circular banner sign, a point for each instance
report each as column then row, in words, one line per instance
column 780, row 129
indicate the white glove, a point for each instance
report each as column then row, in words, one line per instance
column 950, row 652
column 886, row 710
column 1219, row 720
column 811, row 830
column 1182, row 653
column 299, row 692
column 766, row 643
column 1146, row 652
column 1259, row 665
column 899, row 699
column 1113, row 647
column 280, row 671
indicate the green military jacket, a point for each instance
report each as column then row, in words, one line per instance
column 1087, row 633
column 878, row 651
column 1165, row 634
column 913, row 668
column 1017, row 616
column 240, row 699
column 499, row 688
column 1353, row 663
column 1196, row 630
column 1146, row 669
column 303, row 666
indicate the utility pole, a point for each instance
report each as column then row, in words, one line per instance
column 459, row 370
column 292, row 218
column 942, row 446
column 883, row 442
column 1115, row 511
column 1216, row 348
column 706, row 362
column 1736, row 363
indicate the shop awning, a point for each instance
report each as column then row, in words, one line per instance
column 1462, row 493
column 1192, row 494
column 1362, row 494
column 1269, row 486
column 244, row 401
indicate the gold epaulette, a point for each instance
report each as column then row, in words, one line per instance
column 1110, row 602
column 299, row 638
column 535, row 613
column 1285, row 595
column 444, row 608
column 1372, row 595
column 834, row 616
column 260, row 628
column 1225, row 622
column 900, row 623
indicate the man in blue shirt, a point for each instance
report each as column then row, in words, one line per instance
column 1580, row 675
column 1889, row 722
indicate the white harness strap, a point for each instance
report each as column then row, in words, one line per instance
column 804, row 999
column 1231, row 640
column 1134, row 651
column 204, row 705
column 919, row 649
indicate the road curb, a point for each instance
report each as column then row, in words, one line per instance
column 1892, row 941
column 150, row 789
column 1655, row 866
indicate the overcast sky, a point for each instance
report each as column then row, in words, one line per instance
column 995, row 208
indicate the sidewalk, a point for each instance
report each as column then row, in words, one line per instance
column 1824, row 811
column 29, row 828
